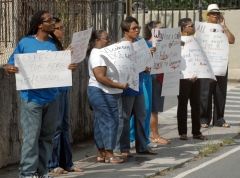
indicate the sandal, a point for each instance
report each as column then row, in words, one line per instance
column 160, row 140
column 100, row 159
column 183, row 137
column 114, row 160
column 74, row 168
column 226, row 125
column 204, row 125
column 58, row 171
column 200, row 137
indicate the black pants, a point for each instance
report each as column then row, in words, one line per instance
column 216, row 90
column 188, row 90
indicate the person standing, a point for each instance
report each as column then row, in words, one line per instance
column 61, row 160
column 188, row 90
column 38, row 107
column 157, row 99
column 103, row 94
column 218, row 88
column 132, row 102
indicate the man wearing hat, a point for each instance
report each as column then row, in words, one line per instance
column 218, row 88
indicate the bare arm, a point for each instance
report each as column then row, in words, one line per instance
column 100, row 75
column 230, row 36
column 10, row 69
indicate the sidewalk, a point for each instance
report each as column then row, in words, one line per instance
column 169, row 156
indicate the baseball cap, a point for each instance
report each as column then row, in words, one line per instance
column 213, row 8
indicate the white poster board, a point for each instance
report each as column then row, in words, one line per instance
column 214, row 43
column 121, row 55
column 167, row 57
column 142, row 54
column 43, row 70
column 194, row 61
column 170, row 86
column 79, row 45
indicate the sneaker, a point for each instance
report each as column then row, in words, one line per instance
column 152, row 145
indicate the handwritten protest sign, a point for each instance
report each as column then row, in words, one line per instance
column 79, row 45
column 194, row 61
column 215, row 44
column 121, row 55
column 142, row 54
column 167, row 57
column 170, row 86
column 43, row 70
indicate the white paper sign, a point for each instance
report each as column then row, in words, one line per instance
column 79, row 45
column 43, row 70
column 121, row 55
column 167, row 57
column 215, row 44
column 170, row 86
column 194, row 61
column 142, row 54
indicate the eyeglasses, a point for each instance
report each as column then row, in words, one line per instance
column 136, row 28
column 50, row 20
column 59, row 28
column 214, row 13
column 190, row 26
column 105, row 38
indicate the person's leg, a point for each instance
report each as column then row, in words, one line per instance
column 48, row 128
column 220, row 100
column 93, row 95
column 139, row 113
column 125, row 113
column 147, row 92
column 132, row 129
column 157, row 106
column 206, row 86
column 184, row 94
column 31, row 120
column 55, row 157
column 195, row 109
column 66, row 150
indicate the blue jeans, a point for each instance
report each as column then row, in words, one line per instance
column 105, row 110
column 147, row 92
column 38, row 124
column 62, row 153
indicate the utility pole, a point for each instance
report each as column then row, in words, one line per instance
column 200, row 10
column 128, row 7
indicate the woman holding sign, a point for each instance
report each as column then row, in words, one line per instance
column 38, row 107
column 157, row 80
column 61, row 160
column 103, row 93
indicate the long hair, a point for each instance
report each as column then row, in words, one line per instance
column 96, row 34
column 148, row 29
column 183, row 22
column 37, row 20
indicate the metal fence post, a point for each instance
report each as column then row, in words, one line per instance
column 200, row 9
column 128, row 7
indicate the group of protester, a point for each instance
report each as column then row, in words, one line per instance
column 44, row 113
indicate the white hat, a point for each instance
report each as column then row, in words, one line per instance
column 213, row 8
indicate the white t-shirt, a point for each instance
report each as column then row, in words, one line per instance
column 95, row 60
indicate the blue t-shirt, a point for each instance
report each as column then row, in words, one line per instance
column 31, row 45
